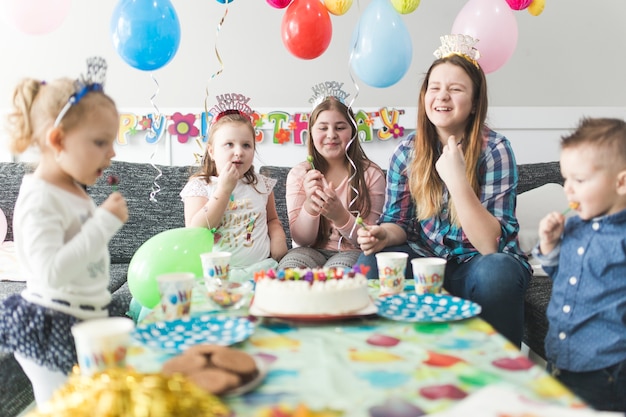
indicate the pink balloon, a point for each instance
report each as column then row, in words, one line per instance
column 519, row 4
column 37, row 17
column 493, row 23
column 278, row 4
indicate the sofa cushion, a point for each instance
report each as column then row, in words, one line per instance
column 280, row 175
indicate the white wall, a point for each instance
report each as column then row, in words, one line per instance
column 568, row 63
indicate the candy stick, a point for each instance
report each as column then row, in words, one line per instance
column 359, row 221
column 113, row 180
column 310, row 159
column 573, row 205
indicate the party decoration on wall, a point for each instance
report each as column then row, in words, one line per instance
column 338, row 7
column 278, row 127
column 36, row 17
column 174, row 250
column 145, row 33
column 536, row 7
column 382, row 50
column 405, row 6
column 518, row 4
column 306, row 29
column 279, row 4
column 493, row 23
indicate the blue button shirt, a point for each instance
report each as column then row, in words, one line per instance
column 587, row 310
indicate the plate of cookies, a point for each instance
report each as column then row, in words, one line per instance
column 177, row 336
column 219, row 370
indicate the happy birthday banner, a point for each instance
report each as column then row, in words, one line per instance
column 279, row 127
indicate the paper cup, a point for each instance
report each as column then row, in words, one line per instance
column 428, row 274
column 216, row 264
column 102, row 343
column 391, row 270
column 176, row 290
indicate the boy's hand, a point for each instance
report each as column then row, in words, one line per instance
column 116, row 204
column 550, row 230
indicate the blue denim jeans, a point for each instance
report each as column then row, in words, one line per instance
column 497, row 282
column 604, row 389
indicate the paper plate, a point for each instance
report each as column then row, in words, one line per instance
column 177, row 335
column 426, row 308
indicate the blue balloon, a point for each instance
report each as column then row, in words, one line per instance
column 382, row 47
column 145, row 33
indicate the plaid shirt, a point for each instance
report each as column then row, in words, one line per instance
column 436, row 236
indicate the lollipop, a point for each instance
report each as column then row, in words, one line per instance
column 310, row 159
column 573, row 205
column 113, row 181
column 359, row 221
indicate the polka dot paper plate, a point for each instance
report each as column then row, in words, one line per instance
column 426, row 308
column 177, row 335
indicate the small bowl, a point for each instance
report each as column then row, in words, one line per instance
column 227, row 294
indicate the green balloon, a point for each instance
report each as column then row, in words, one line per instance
column 174, row 250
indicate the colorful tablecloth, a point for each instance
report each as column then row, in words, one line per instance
column 371, row 365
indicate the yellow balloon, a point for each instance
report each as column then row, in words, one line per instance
column 338, row 7
column 536, row 7
column 405, row 6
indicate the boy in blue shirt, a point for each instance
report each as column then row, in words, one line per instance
column 586, row 258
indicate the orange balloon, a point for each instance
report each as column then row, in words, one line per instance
column 306, row 29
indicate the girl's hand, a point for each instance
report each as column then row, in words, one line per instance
column 451, row 163
column 330, row 206
column 228, row 177
column 550, row 230
column 116, row 204
column 312, row 183
column 372, row 240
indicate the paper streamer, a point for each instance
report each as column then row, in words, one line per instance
column 356, row 131
column 215, row 74
column 157, row 120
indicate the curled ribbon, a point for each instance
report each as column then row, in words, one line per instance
column 158, row 119
column 215, row 74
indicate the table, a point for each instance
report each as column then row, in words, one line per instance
column 368, row 365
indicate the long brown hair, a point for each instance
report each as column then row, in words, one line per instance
column 207, row 164
column 362, row 203
column 424, row 182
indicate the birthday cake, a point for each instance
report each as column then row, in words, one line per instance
column 300, row 291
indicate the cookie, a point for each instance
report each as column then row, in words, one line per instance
column 234, row 361
column 203, row 349
column 215, row 381
column 185, row 364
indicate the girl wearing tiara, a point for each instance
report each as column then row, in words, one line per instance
column 61, row 237
column 327, row 193
column 227, row 195
column 451, row 193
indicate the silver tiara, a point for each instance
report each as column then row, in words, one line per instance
column 92, row 80
column 327, row 89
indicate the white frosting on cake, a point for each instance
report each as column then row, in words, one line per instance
column 333, row 296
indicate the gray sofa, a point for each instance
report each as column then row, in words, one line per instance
column 148, row 218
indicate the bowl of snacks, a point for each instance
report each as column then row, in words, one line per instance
column 227, row 294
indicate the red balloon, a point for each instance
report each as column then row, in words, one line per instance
column 278, row 4
column 306, row 29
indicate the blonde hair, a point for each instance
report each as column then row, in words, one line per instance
column 37, row 104
column 207, row 165
column 425, row 184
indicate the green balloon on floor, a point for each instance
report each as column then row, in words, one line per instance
column 174, row 250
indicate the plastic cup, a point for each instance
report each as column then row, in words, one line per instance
column 391, row 271
column 428, row 274
column 102, row 343
column 216, row 265
column 176, row 290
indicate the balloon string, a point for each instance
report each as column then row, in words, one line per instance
column 156, row 122
column 354, row 137
column 215, row 74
